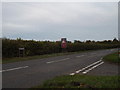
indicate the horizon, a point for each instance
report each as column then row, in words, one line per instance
column 59, row 39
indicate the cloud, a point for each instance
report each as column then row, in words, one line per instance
column 55, row 20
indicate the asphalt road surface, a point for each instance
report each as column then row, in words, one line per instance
column 26, row 74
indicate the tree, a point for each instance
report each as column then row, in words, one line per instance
column 115, row 40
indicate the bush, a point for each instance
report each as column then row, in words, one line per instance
column 10, row 47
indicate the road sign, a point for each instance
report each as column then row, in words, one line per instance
column 21, row 52
column 63, row 43
column 21, row 48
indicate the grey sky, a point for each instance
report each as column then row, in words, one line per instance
column 51, row 21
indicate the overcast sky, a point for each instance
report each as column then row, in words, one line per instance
column 52, row 21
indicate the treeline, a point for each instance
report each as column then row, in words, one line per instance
column 10, row 47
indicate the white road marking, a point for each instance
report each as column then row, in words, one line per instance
column 14, row 69
column 72, row 74
column 57, row 60
column 112, row 50
column 80, row 56
column 92, row 68
column 93, row 53
column 88, row 66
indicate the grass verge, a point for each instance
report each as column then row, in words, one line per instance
column 81, row 81
column 113, row 58
column 16, row 59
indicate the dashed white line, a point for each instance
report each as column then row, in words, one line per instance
column 58, row 60
column 92, row 68
column 14, row 69
column 80, row 56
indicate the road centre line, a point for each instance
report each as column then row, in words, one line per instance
column 14, row 69
column 80, row 56
column 58, row 60
column 92, row 68
column 88, row 66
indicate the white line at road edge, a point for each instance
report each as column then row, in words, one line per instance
column 88, row 66
column 14, row 69
column 57, row 60
column 92, row 68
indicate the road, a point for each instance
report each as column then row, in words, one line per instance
column 26, row 74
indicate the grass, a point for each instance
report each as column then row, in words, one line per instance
column 81, row 81
column 113, row 58
column 16, row 59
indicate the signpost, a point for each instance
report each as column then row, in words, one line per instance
column 63, row 44
column 21, row 52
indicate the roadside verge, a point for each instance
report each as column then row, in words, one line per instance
column 112, row 58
